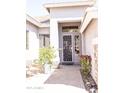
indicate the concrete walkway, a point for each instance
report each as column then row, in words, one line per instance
column 67, row 79
column 68, row 75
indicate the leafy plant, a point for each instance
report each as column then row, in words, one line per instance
column 85, row 61
column 46, row 55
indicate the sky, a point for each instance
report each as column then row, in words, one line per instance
column 35, row 8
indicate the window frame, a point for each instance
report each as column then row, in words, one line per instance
column 44, row 44
column 27, row 39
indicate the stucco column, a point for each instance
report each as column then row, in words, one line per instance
column 54, row 37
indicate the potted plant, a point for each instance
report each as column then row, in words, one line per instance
column 46, row 56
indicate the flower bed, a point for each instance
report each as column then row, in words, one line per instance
column 85, row 61
column 89, row 83
column 33, row 69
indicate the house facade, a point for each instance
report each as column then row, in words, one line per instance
column 71, row 28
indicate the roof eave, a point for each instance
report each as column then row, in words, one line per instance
column 68, row 4
column 32, row 20
column 90, row 15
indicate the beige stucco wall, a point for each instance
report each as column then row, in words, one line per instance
column 32, row 52
column 67, row 12
column 90, row 34
column 44, row 30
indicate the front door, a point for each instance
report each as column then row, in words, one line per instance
column 67, row 48
column 71, row 47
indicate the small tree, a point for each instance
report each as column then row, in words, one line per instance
column 46, row 55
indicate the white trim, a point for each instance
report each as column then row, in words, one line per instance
column 70, row 19
column 35, row 22
column 68, row 4
column 32, row 20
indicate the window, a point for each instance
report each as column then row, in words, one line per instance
column 44, row 40
column 70, row 29
column 77, row 44
column 27, row 39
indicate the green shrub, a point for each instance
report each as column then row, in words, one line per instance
column 46, row 55
column 85, row 62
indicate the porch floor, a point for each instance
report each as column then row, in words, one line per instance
column 66, row 79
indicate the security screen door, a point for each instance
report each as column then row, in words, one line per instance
column 71, row 47
column 67, row 48
column 70, row 44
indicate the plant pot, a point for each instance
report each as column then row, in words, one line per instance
column 55, row 65
column 47, row 68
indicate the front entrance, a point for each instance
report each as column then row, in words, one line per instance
column 71, row 47
column 67, row 48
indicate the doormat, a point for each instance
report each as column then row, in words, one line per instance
column 67, row 63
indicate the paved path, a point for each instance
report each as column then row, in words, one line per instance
column 67, row 79
column 68, row 75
